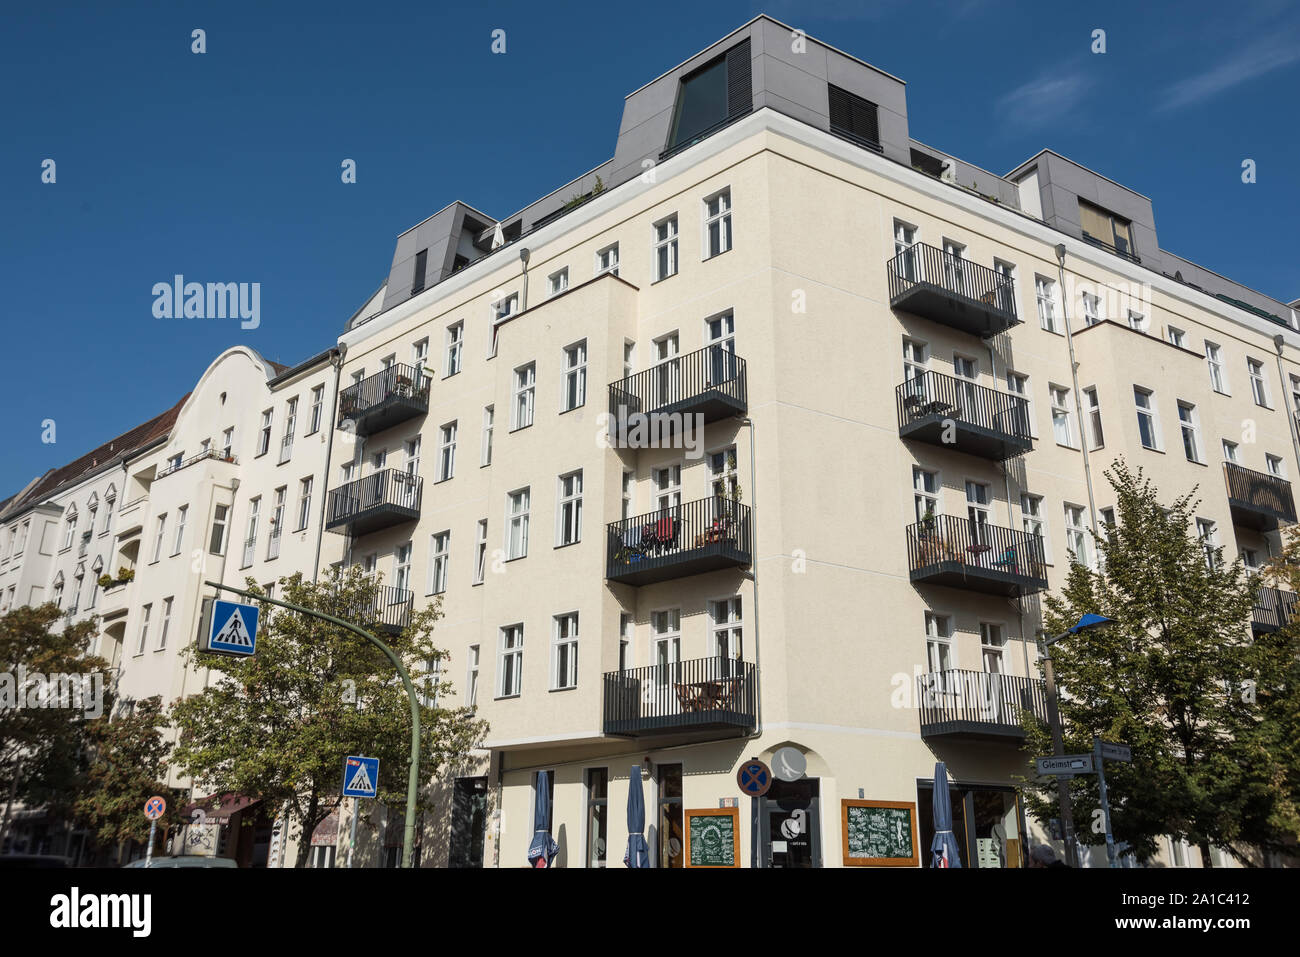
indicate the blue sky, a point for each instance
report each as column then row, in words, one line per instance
column 225, row 166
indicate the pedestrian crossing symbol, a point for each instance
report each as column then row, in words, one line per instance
column 360, row 776
column 233, row 630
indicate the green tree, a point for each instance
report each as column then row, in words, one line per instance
column 278, row 724
column 128, row 765
column 1172, row 678
column 1278, row 691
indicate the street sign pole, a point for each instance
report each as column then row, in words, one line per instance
column 413, row 773
column 1058, row 749
column 148, row 854
column 1100, row 762
column 352, row 841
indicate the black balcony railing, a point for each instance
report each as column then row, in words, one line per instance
column 1258, row 500
column 1273, row 609
column 384, row 399
column 985, row 422
column 1125, row 253
column 687, row 539
column 977, row 703
column 963, row 553
column 214, row 454
column 709, row 382
column 952, row 290
column 386, row 498
column 701, row 694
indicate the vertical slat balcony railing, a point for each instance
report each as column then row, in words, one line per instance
column 688, row 539
column 710, row 382
column 717, row 694
column 384, row 399
column 986, row 422
column 391, row 608
column 952, row 290
column 977, row 703
column 1258, row 500
column 962, row 553
column 381, row 500
column 1273, row 609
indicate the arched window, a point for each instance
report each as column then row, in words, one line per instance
column 78, row 577
column 58, row 589
column 110, row 498
column 96, row 569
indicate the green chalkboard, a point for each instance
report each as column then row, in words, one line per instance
column 879, row 833
column 712, row 838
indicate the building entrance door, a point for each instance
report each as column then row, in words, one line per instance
column 789, row 824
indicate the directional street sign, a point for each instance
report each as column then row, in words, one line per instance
column 1065, row 764
column 1116, row 752
column 360, row 776
column 233, row 629
column 754, row 778
column 155, row 807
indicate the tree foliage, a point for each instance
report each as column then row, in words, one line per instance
column 278, row 725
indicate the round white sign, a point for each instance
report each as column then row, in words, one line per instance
column 789, row 764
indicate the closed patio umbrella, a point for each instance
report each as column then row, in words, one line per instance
column 638, row 854
column 943, row 849
column 542, row 851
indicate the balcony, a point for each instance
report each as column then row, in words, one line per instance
column 382, row 500
column 1258, row 500
column 976, row 704
column 948, row 289
column 960, row 553
column 384, row 399
column 984, row 422
column 391, row 609
column 710, row 382
column 702, row 694
column 688, row 539
column 211, row 454
column 1273, row 610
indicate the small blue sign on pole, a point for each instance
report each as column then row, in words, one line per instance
column 232, row 629
column 360, row 776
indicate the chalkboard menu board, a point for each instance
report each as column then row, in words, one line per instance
column 879, row 833
column 713, row 837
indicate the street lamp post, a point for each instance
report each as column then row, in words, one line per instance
column 1058, row 744
column 413, row 775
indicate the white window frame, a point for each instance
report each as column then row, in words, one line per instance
column 1189, row 429
column 719, row 218
column 1076, row 534
column 1033, row 519
column 568, row 509
column 573, row 393
column 564, row 651
column 1092, row 409
column 317, row 409
column 439, row 561
column 926, row 499
column 557, row 282
column 160, row 535
column 1176, row 337
column 1258, row 383
column 664, row 236
column 727, row 627
column 1063, row 414
column 264, row 435
column 305, row 486
column 1045, row 295
column 518, row 507
column 1152, row 415
column 1275, row 465
column 523, row 406
column 1218, row 371
column 447, row 451
column 485, row 452
column 510, row 660
column 454, row 352
column 472, row 658
column 607, row 260
column 480, row 552
column 1018, row 385
column 179, row 537
column 166, row 624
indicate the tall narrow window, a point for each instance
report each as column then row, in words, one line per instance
column 1258, row 386
column 511, row 660
column 1191, row 431
column 665, row 248
column 1275, row 465
column 564, row 652
column 182, row 514
column 421, row 269
column 304, row 502
column 1148, row 429
column 471, row 679
column 666, row 643
column 144, row 629
column 1045, row 292
column 317, row 409
column 1207, row 532
column 1076, row 534
column 264, row 437
column 993, row 641
column 447, row 452
column 938, row 643
column 1214, row 361
column 597, row 815
column 1062, row 420
column 277, row 523
column 668, row 486
column 290, row 426
column 1018, row 384
column 557, row 282
column 439, row 549
column 455, row 343
column 569, row 520
column 905, row 263
column 575, row 376
column 166, row 624
column 485, row 454
column 1229, row 451
column 525, row 389
column 925, row 490
column 402, row 568
column 158, row 536
column 480, row 552
column 517, row 524
column 1091, row 309
column 217, row 540
column 250, row 539
column 1031, row 518
column 726, row 631
column 629, row 493
column 717, row 224
column 1092, row 408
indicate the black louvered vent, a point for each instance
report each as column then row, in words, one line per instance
column 740, row 97
column 854, row 118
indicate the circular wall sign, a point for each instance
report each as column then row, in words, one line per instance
column 754, row 778
column 789, row 764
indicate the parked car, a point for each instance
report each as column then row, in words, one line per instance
column 185, row 860
column 33, row 860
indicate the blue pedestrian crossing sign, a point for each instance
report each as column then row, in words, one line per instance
column 360, row 777
column 232, row 629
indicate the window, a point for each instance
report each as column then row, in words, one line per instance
column 717, row 224
column 304, row 502
column 1018, row 384
column 1108, row 523
column 1076, row 534
column 624, row 640
column 250, row 540
column 402, row 568
column 96, row 570
column 228, row 442
column 420, row 355
column 480, row 552
column 925, row 487
column 667, row 486
column 1207, row 532
column 666, row 642
column 629, row 493
column 1045, row 292
column 411, row 454
column 1258, row 387
column 1214, row 360
column 938, row 643
column 277, row 523
column 575, row 376
column 70, row 528
column 174, row 462
column 597, row 815
column 1092, row 408
column 158, row 536
column 1091, row 309
column 726, row 628
column 471, row 679
column 1250, row 558
column 1148, row 429
column 144, row 629
column 993, row 641
column 264, row 437
column 110, row 499
column 421, row 269
column 607, row 260
column 665, row 248
column 666, row 381
column 569, row 520
column 978, row 500
column 166, row 624
column 1031, row 519
column 557, row 282
column 1191, row 431
column 510, row 661
column 853, row 118
column 290, row 424
column 1275, row 465
column 485, row 453
column 217, row 539
column 724, row 482
column 439, row 548
column 502, row 309
column 525, row 387
column 517, row 524
column 1176, row 336
column 916, row 361
column 58, row 590
column 1295, row 396
column 317, row 408
column 564, row 652
column 1229, row 451
column 1062, row 424
column 954, row 266
column 455, row 344
column 181, row 514
column 711, row 95
column 905, row 263
column 1137, row 321
column 447, row 452
column 1103, row 227
column 629, row 361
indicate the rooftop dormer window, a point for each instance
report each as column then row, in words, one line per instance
column 711, row 95
column 1104, row 228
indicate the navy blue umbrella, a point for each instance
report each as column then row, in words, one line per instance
column 543, row 849
column 943, row 849
column 638, row 854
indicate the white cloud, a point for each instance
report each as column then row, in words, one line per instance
column 1044, row 99
column 1251, row 61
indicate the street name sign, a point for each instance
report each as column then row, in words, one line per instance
column 1065, row 764
column 1116, row 752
